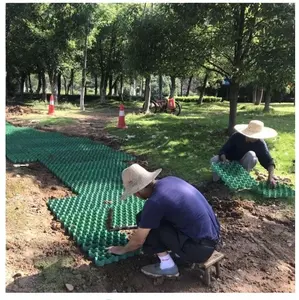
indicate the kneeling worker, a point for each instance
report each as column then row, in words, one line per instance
column 176, row 217
column 247, row 146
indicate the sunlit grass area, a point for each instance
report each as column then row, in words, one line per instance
column 183, row 145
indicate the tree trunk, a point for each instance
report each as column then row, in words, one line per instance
column 106, row 82
column 110, row 85
column 172, row 87
column 26, row 84
column 39, row 84
column 160, row 86
column 189, row 85
column 262, row 94
column 53, row 83
column 29, row 84
column 267, row 101
column 182, row 84
column 23, row 79
column 254, row 91
column 115, row 92
column 102, row 88
column 202, row 91
column 114, row 87
column 134, row 87
column 147, row 96
column 83, row 83
column 9, row 87
column 239, row 12
column 64, row 84
column 44, row 87
column 141, row 90
column 59, row 85
column 130, row 90
column 121, row 94
column 233, row 101
column 95, row 84
column 259, row 96
column 71, row 83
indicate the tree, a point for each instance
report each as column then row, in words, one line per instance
column 20, row 46
column 275, row 65
column 232, row 33
column 87, row 20
column 143, row 50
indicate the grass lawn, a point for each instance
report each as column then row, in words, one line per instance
column 183, row 145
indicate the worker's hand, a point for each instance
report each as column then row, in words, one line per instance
column 223, row 158
column 118, row 250
column 271, row 183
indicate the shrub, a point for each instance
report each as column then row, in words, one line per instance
column 206, row 99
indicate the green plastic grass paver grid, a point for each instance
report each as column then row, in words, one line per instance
column 93, row 171
column 237, row 178
column 280, row 191
column 234, row 175
column 125, row 214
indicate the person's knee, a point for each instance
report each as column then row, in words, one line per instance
column 214, row 159
column 252, row 156
column 249, row 160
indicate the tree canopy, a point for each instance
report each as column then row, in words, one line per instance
column 244, row 43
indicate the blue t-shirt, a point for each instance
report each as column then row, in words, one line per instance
column 178, row 202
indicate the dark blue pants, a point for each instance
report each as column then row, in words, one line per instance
column 167, row 237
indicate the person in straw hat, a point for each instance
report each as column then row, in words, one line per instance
column 247, row 146
column 175, row 218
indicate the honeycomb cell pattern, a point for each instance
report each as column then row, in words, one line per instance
column 237, row 178
column 91, row 170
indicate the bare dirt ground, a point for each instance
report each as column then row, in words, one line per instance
column 257, row 240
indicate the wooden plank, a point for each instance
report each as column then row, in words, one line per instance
column 216, row 257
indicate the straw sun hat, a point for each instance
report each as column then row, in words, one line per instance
column 256, row 130
column 135, row 178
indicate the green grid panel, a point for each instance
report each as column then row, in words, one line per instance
column 77, row 156
column 234, row 175
column 237, row 178
column 88, row 227
column 91, row 169
column 124, row 214
column 280, row 191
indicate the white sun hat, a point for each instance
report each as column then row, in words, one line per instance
column 256, row 130
column 135, row 178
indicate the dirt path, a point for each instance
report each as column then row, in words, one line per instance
column 258, row 241
column 90, row 124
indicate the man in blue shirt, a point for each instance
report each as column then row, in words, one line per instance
column 247, row 146
column 176, row 217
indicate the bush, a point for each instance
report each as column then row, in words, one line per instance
column 206, row 99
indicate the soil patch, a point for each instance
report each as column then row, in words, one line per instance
column 41, row 258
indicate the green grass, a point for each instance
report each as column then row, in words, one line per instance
column 183, row 145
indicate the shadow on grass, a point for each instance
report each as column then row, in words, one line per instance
column 185, row 145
